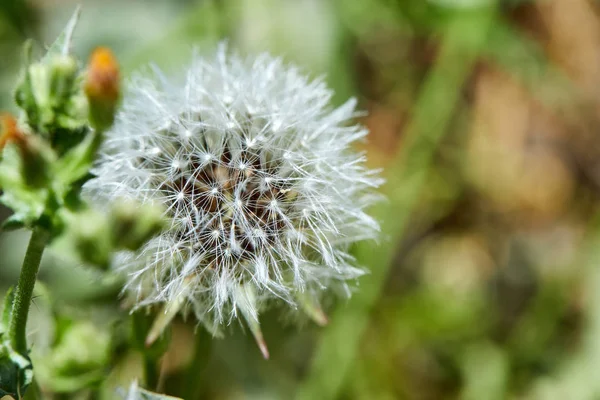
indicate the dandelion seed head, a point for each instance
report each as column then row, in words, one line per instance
column 257, row 175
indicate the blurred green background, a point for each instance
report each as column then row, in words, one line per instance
column 485, row 117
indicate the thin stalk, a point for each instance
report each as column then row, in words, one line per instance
column 463, row 38
column 197, row 368
column 151, row 372
column 22, row 301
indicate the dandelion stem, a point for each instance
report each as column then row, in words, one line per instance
column 150, row 371
column 195, row 375
column 27, row 279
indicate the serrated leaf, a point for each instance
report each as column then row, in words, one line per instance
column 16, row 373
column 28, row 205
column 62, row 44
column 13, row 223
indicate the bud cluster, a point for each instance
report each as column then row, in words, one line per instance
column 45, row 158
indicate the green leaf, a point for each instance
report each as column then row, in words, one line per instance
column 6, row 310
column 16, row 374
column 62, row 44
column 76, row 163
column 16, row 371
column 12, row 223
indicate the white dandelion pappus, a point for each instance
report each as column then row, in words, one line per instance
column 262, row 188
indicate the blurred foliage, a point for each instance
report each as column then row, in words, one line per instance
column 487, row 283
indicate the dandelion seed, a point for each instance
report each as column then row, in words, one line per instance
column 263, row 189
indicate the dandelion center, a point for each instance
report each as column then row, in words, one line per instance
column 239, row 201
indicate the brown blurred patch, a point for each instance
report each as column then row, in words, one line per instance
column 510, row 162
column 573, row 41
column 385, row 122
column 390, row 64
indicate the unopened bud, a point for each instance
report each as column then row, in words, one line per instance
column 134, row 224
column 91, row 239
column 48, row 93
column 63, row 71
column 83, row 347
column 35, row 154
column 9, row 131
column 102, row 88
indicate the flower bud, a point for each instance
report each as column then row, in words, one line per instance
column 102, row 88
column 83, row 347
column 91, row 238
column 36, row 156
column 77, row 361
column 48, row 93
column 134, row 224
column 9, row 130
column 63, row 71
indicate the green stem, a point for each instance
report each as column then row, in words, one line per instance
column 463, row 38
column 196, row 371
column 27, row 278
column 150, row 372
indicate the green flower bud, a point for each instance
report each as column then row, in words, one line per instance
column 36, row 157
column 90, row 237
column 63, row 71
column 47, row 94
column 133, row 224
column 77, row 361
column 50, row 92
column 82, row 348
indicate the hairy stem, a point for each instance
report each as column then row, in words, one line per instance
column 27, row 278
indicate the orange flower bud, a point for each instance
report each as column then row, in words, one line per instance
column 35, row 153
column 10, row 131
column 102, row 82
column 102, row 88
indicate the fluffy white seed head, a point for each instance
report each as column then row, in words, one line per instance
column 256, row 170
